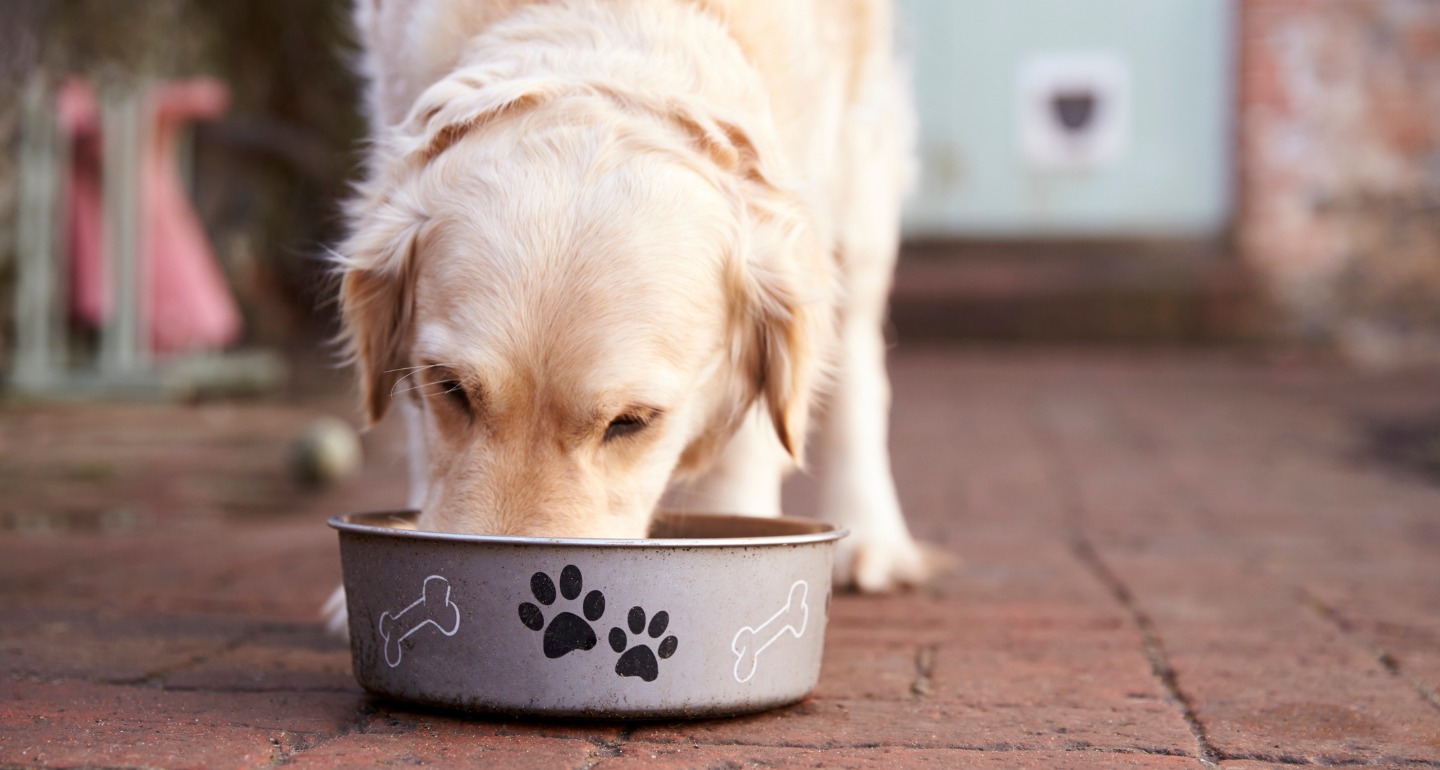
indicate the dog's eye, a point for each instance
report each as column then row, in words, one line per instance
column 454, row 392
column 624, row 425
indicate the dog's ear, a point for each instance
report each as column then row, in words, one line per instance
column 463, row 102
column 783, row 314
column 377, row 286
column 377, row 263
column 784, row 363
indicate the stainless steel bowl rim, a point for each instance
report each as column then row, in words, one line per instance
column 829, row 532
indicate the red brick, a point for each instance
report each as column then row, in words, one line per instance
column 934, row 723
column 423, row 748
column 1035, row 577
column 279, row 657
column 1018, row 652
column 393, row 718
column 1267, row 677
column 277, row 569
column 865, row 669
column 1067, row 665
column 1387, row 603
column 103, row 645
column 73, row 723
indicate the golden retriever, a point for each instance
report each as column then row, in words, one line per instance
column 609, row 248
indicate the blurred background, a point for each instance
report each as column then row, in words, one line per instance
column 1186, row 172
column 249, row 184
column 1196, row 170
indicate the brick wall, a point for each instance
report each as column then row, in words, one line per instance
column 1340, row 170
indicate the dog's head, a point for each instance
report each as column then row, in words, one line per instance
column 580, row 295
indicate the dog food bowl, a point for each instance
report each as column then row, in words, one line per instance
column 715, row 615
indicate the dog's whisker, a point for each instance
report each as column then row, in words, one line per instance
column 414, row 370
column 443, row 392
column 395, row 393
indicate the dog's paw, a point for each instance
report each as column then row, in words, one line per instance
column 335, row 614
column 872, row 563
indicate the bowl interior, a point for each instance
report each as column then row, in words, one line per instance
column 687, row 529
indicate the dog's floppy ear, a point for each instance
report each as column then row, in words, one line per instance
column 377, row 263
column 783, row 315
column 465, row 101
column 784, row 363
column 377, row 284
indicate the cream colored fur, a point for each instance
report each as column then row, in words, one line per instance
column 610, row 248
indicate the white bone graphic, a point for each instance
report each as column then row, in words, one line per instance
column 433, row 608
column 750, row 642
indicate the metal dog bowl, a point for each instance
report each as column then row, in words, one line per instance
column 715, row 615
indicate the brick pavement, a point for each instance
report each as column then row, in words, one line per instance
column 1168, row 561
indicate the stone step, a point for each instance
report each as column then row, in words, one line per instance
column 1072, row 291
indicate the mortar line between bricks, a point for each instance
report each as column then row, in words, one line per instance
column 233, row 690
column 1084, row 551
column 609, row 749
column 1190, row 500
column 1382, row 656
column 355, row 726
column 924, row 684
column 995, row 748
column 160, row 674
column 1205, row 518
column 1293, row 761
column 1160, row 666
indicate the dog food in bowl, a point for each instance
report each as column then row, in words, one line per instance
column 713, row 615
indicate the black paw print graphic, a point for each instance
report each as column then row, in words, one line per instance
column 639, row 660
column 567, row 631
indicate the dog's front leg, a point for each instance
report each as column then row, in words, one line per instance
column 857, row 489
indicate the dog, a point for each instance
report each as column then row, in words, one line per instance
column 608, row 256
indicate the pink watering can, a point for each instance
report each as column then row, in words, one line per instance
column 187, row 305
